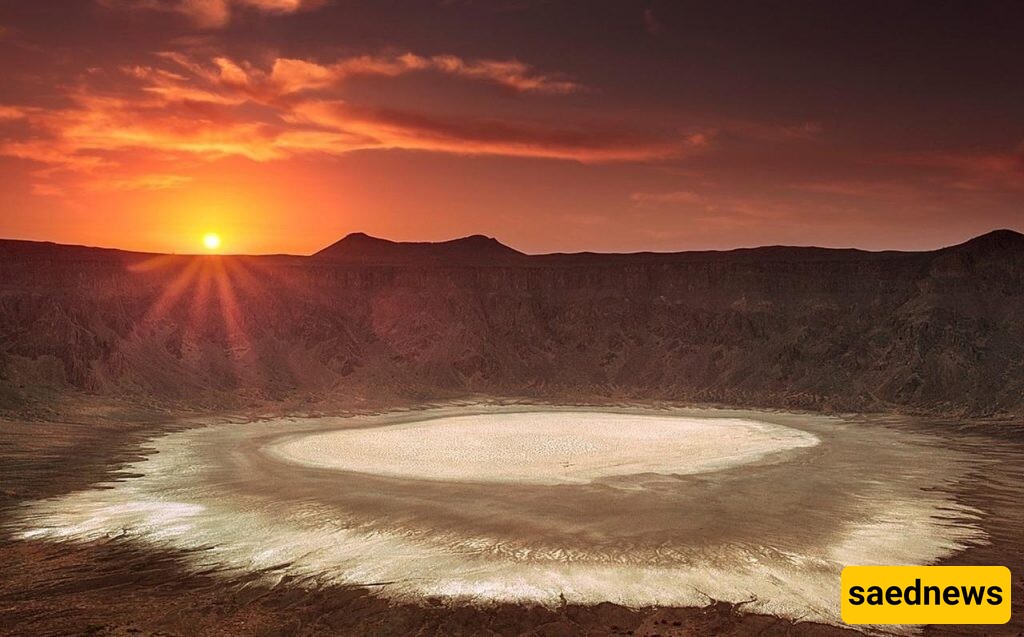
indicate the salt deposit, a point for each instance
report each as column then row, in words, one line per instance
column 492, row 504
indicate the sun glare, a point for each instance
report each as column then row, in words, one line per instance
column 211, row 241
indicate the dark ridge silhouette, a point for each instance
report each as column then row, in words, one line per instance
column 1002, row 240
column 474, row 249
column 477, row 248
column 374, row 320
column 14, row 248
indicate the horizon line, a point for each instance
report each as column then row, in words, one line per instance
column 968, row 239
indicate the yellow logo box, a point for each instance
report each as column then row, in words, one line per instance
column 926, row 594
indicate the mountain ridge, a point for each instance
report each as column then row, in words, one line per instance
column 998, row 239
column 476, row 248
column 937, row 332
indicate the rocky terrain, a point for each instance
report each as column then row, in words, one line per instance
column 100, row 350
column 368, row 320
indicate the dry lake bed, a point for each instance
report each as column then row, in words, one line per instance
column 547, row 505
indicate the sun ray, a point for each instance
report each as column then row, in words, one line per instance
column 156, row 262
column 284, row 278
column 239, row 344
column 199, row 310
column 172, row 292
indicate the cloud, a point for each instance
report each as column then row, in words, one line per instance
column 180, row 111
column 12, row 112
column 396, row 129
column 288, row 76
column 676, row 214
column 859, row 189
column 675, row 197
column 511, row 74
column 214, row 14
column 773, row 132
column 145, row 182
column 975, row 171
column 102, row 182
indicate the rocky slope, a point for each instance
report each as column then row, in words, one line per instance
column 368, row 319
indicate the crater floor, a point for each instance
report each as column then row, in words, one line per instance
column 544, row 448
column 497, row 504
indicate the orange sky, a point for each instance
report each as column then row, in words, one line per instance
column 285, row 124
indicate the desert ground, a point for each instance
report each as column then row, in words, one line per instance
column 459, row 438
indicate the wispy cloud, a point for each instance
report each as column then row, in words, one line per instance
column 389, row 128
column 289, row 76
column 147, row 182
column 676, row 214
column 674, row 197
column 12, row 112
column 971, row 170
column 182, row 109
column 212, row 14
column 860, row 189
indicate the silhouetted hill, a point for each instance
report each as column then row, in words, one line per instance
column 13, row 248
column 475, row 249
column 939, row 331
column 997, row 241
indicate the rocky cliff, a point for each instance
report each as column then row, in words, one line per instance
column 367, row 319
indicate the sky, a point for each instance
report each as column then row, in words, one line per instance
column 283, row 125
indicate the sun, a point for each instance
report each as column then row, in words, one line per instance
column 211, row 241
